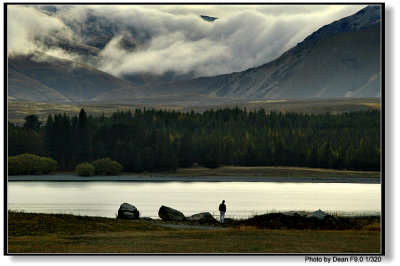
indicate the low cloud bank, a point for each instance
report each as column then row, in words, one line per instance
column 173, row 38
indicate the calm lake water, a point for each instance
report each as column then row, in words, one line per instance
column 243, row 199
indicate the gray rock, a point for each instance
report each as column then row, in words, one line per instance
column 204, row 217
column 128, row 215
column 128, row 212
column 170, row 214
column 320, row 215
column 126, row 207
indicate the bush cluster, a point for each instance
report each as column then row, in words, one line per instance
column 104, row 166
column 30, row 164
column 85, row 169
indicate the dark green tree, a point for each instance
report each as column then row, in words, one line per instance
column 83, row 140
column 32, row 123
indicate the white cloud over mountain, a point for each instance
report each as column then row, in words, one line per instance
column 180, row 41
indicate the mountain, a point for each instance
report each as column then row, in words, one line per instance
column 208, row 18
column 22, row 87
column 96, row 31
column 339, row 65
column 41, row 77
column 341, row 59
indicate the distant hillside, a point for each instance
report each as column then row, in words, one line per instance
column 22, row 87
column 341, row 59
column 339, row 65
column 44, row 78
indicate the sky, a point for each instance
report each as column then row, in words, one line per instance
column 243, row 36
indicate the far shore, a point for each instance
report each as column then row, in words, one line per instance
column 225, row 174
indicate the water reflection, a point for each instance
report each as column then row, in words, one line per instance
column 243, row 198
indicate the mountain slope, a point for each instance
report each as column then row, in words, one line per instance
column 25, row 88
column 339, row 65
column 54, row 79
column 341, row 59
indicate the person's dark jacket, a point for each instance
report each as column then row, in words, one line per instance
column 222, row 207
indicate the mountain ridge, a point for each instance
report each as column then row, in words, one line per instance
column 341, row 59
column 353, row 51
column 75, row 82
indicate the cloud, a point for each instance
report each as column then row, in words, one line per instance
column 29, row 30
column 175, row 38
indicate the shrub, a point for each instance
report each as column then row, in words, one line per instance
column 13, row 166
column 47, row 165
column 30, row 164
column 84, row 169
column 107, row 166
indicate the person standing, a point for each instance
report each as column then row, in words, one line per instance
column 222, row 210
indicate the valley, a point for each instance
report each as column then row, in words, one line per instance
column 18, row 110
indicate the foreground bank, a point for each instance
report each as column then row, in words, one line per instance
column 52, row 233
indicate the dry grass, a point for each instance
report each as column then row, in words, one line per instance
column 270, row 171
column 202, row 241
column 376, row 106
column 39, row 233
column 18, row 110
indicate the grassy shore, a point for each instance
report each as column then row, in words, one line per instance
column 273, row 171
column 225, row 174
column 57, row 233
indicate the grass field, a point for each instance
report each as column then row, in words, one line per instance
column 56, row 233
column 18, row 110
column 270, row 171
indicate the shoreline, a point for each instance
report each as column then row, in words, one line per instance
column 223, row 174
column 139, row 178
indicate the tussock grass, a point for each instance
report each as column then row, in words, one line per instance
column 61, row 233
column 248, row 228
column 33, row 224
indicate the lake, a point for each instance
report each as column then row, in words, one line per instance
column 243, row 199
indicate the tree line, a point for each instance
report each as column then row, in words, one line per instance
column 147, row 140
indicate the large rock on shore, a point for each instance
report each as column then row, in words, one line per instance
column 170, row 214
column 318, row 220
column 320, row 215
column 204, row 217
column 128, row 212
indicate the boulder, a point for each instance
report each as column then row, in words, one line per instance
column 170, row 214
column 320, row 215
column 204, row 217
column 128, row 212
